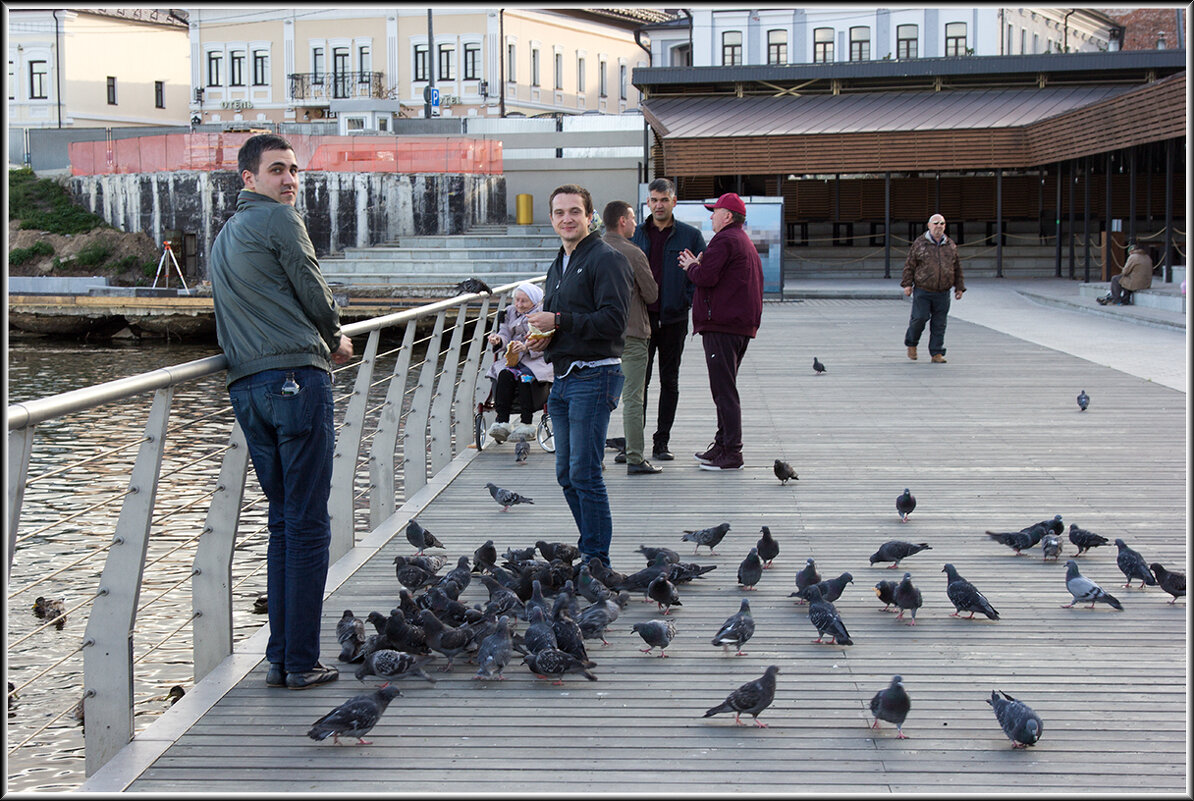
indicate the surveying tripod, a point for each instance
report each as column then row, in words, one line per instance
column 162, row 266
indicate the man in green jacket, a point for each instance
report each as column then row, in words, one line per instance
column 280, row 331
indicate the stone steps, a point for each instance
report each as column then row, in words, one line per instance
column 1159, row 296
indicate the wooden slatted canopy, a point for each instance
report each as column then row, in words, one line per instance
column 897, row 131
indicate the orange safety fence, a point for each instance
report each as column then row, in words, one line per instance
column 217, row 151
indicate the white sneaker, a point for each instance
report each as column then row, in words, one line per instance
column 523, row 431
column 498, row 432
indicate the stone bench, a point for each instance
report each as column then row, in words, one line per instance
column 1159, row 296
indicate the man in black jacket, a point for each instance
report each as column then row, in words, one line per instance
column 663, row 238
column 585, row 305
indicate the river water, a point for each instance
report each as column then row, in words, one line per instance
column 51, row 557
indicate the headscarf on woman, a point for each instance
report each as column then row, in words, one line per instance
column 534, row 292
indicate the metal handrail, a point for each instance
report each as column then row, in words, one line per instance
column 426, row 431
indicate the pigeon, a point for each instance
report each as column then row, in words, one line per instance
column 518, row 554
column 569, row 637
column 1083, row 400
column 473, row 286
column 1022, row 726
column 432, row 564
column 594, row 619
column 536, row 601
column 751, row 570
column 1085, row 540
column 1171, row 581
column 807, row 577
column 495, row 651
column 738, row 628
column 824, row 616
column 420, row 537
column 404, row 636
column 505, row 497
column 1050, row 546
column 768, row 547
column 784, row 471
column 1083, row 589
column 651, row 553
column 907, row 597
column 589, row 586
column 539, row 634
column 522, row 450
column 656, row 634
column 501, row 599
column 965, row 596
column 905, row 504
column 554, row 662
column 616, row 444
column 664, row 593
column 752, row 697
column 831, row 589
column 565, row 602
column 391, row 665
column 558, row 550
column 413, row 577
column 1022, row 539
column 885, row 592
column 706, row 536
column 484, row 557
column 450, row 642
column 817, row 366
column 460, row 575
column 355, row 717
column 51, row 609
column 684, row 572
column 350, row 633
column 895, row 550
column 1133, row 566
column 892, row 704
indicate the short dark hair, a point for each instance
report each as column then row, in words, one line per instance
column 614, row 211
column 249, row 157
column 662, row 185
column 736, row 217
column 572, row 189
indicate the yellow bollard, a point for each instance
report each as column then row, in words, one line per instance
column 524, row 209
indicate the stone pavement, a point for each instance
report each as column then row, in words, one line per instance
column 1147, row 343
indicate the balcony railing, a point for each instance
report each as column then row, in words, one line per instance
column 327, row 86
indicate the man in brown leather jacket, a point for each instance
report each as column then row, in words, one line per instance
column 932, row 267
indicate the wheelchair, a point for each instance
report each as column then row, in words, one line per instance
column 486, row 414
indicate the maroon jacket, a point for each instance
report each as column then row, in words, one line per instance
column 729, row 285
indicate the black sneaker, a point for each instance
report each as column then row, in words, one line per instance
column 710, row 455
column 662, row 455
column 276, row 676
column 320, row 674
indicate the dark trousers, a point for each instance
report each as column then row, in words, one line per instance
column 668, row 340
column 1118, row 293
column 932, row 308
column 723, row 355
column 532, row 395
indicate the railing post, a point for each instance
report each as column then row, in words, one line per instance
column 20, row 446
column 466, row 405
column 348, row 447
column 385, row 438
column 414, row 433
column 441, row 407
column 108, row 640
column 211, row 587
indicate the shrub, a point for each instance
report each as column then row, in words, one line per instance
column 44, row 205
column 94, row 255
column 18, row 256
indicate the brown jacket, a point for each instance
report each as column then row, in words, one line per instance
column 645, row 288
column 933, row 267
column 1137, row 272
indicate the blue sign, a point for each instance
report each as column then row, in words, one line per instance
column 435, row 97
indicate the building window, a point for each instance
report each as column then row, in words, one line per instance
column 420, row 62
column 731, row 49
column 364, row 64
column 681, row 56
column 37, row 80
column 559, row 71
column 111, row 90
column 472, row 62
column 215, row 62
column 447, row 63
column 12, row 80
column 906, row 38
column 1036, row 43
column 622, row 81
column 777, row 47
column 511, row 63
column 261, row 68
column 1023, row 40
column 860, row 43
column 534, row 66
column 580, row 75
column 955, row 38
column 602, row 86
column 317, row 66
column 340, row 73
column 236, row 68
column 355, row 124
column 822, row 45
column 159, row 94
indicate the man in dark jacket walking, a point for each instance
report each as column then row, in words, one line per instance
column 280, row 331
column 663, row 238
column 932, row 267
column 726, row 310
column 585, row 306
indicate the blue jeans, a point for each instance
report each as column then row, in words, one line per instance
column 580, row 405
column 291, row 439
column 932, row 308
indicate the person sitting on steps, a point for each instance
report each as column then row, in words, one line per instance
column 1136, row 274
column 521, row 372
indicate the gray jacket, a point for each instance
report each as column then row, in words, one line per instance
column 273, row 308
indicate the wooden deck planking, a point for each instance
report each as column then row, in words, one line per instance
column 992, row 440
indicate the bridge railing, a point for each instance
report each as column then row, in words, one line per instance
column 395, row 432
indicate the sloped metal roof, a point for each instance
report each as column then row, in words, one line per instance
column 687, row 117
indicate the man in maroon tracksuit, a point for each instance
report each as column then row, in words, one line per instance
column 726, row 309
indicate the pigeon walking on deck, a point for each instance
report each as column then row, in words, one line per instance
column 892, row 704
column 751, row 698
column 1171, row 581
column 392, row 665
column 1133, row 566
column 908, row 599
column 885, row 592
column 784, row 472
column 350, row 633
column 522, row 449
column 1051, row 547
column 817, row 366
column 506, row 498
column 495, row 651
column 737, row 629
column 768, row 547
column 554, row 662
column 895, row 550
column 664, row 593
column 420, row 537
column 751, row 570
column 824, row 616
column 706, row 536
column 807, row 577
column 831, row 588
column 1083, row 589
column 965, row 596
column 1021, row 725
column 656, row 634
column 905, row 504
column 1083, row 400
column 356, row 717
column 1085, row 540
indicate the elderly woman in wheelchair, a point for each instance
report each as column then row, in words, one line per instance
column 521, row 374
